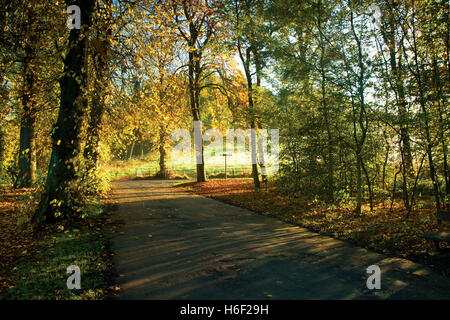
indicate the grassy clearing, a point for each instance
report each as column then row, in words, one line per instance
column 117, row 170
column 34, row 266
column 381, row 230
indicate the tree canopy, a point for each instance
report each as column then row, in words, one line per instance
column 358, row 90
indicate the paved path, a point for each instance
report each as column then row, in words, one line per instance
column 176, row 245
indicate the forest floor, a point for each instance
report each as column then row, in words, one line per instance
column 170, row 243
column 33, row 266
column 173, row 242
column 381, row 230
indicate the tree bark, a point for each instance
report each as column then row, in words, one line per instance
column 362, row 121
column 397, row 84
column 417, row 73
column 131, row 151
column 441, row 102
column 194, row 70
column 329, row 157
column 100, row 57
column 2, row 149
column 65, row 139
column 27, row 148
column 163, row 172
column 358, row 185
column 100, row 47
column 253, row 142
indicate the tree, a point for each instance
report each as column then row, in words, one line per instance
column 416, row 67
column 32, row 66
column 357, row 74
column 100, row 53
column 196, row 22
column 65, row 139
column 248, row 49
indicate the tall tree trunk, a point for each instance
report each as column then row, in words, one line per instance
column 358, row 184
column 246, row 61
column 3, row 95
column 329, row 157
column 2, row 148
column 404, row 175
column 130, row 157
column 27, row 155
column 194, row 71
column 396, row 80
column 27, row 148
column 397, row 84
column 201, row 174
column 359, row 142
column 65, row 139
column 100, row 58
column 362, row 121
column 100, row 47
column 262, row 161
column 385, row 162
column 253, row 138
column 441, row 102
column 163, row 172
column 369, row 185
column 417, row 73
column 330, row 160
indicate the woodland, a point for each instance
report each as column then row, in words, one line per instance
column 357, row 89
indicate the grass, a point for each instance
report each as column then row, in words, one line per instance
column 34, row 266
column 42, row 275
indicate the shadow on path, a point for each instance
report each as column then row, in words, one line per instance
column 176, row 245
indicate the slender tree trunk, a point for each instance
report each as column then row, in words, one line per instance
column 404, row 130
column 246, row 61
column 27, row 148
column 92, row 149
column 100, row 58
column 396, row 81
column 363, row 122
column 2, row 147
column 163, row 172
column 421, row 90
column 385, row 162
column 399, row 89
column 429, row 147
column 253, row 138
column 131, row 151
column 441, row 102
column 201, row 174
column 330, row 160
column 194, row 92
column 2, row 118
column 404, row 171
column 27, row 156
column 369, row 185
column 359, row 142
column 413, row 200
column 394, row 186
column 258, row 68
column 358, row 184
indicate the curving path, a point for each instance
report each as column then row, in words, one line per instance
column 176, row 245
